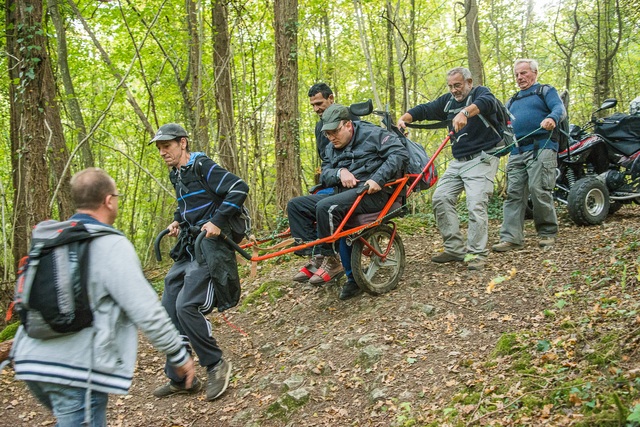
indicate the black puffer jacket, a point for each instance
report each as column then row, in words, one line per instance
column 373, row 153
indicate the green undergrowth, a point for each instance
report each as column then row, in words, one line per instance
column 268, row 291
column 579, row 367
column 9, row 331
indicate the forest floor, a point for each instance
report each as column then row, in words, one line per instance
column 537, row 338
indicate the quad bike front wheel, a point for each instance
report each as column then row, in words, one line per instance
column 588, row 201
column 378, row 260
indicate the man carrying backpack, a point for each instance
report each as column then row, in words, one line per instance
column 531, row 169
column 208, row 196
column 471, row 113
column 65, row 370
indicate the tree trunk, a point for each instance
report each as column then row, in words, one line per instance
column 196, row 111
column 286, row 128
column 365, row 50
column 20, row 219
column 391, row 84
column 473, row 42
column 224, row 100
column 36, row 129
column 86, row 156
column 413, row 65
column 505, row 80
column 567, row 49
column 609, row 33
column 331, row 69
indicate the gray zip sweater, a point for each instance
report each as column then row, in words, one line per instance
column 102, row 357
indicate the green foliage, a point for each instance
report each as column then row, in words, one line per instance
column 507, row 344
column 9, row 331
column 272, row 289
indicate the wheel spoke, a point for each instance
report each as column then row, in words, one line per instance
column 370, row 271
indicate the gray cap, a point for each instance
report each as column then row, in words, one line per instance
column 333, row 115
column 168, row 132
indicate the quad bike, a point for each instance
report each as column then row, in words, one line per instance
column 600, row 170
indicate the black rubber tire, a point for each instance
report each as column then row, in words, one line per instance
column 588, row 201
column 373, row 275
column 614, row 206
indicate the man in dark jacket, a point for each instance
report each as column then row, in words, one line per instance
column 208, row 196
column 360, row 154
column 320, row 98
column 472, row 115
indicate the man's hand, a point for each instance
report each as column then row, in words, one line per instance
column 402, row 122
column 174, row 229
column 347, row 179
column 548, row 124
column 211, row 229
column 373, row 186
column 459, row 121
column 187, row 371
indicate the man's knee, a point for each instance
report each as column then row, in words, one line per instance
column 442, row 199
column 292, row 205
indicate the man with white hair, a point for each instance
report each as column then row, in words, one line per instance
column 531, row 170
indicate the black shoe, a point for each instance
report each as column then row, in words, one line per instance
column 350, row 290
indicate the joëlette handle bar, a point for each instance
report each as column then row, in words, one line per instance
column 199, row 256
column 156, row 244
column 226, row 239
column 430, row 162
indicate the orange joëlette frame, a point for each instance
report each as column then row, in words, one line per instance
column 340, row 232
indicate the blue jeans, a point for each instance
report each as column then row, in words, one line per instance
column 68, row 403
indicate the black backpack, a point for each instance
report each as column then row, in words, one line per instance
column 561, row 131
column 51, row 295
column 418, row 159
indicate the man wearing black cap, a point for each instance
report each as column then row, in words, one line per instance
column 208, row 196
column 360, row 154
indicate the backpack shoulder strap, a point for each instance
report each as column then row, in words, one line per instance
column 543, row 90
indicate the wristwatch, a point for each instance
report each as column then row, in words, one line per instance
column 465, row 112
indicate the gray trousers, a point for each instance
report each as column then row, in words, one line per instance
column 475, row 177
column 526, row 176
column 188, row 298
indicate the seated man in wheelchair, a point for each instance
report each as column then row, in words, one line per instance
column 360, row 154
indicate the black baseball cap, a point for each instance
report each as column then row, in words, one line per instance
column 168, row 132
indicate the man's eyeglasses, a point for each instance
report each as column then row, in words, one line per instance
column 456, row 86
column 121, row 195
column 330, row 133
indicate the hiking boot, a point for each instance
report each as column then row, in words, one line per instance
column 330, row 269
column 307, row 271
column 506, row 247
column 447, row 257
column 172, row 388
column 476, row 264
column 546, row 242
column 218, row 379
column 349, row 290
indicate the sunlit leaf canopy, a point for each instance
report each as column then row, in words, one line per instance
column 147, row 44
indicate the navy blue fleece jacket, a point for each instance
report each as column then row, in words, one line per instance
column 476, row 136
